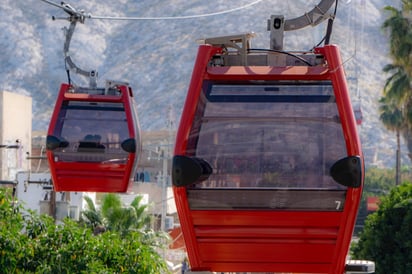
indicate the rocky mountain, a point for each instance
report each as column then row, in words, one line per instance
column 156, row 55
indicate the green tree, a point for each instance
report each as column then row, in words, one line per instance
column 391, row 117
column 386, row 238
column 400, row 43
column 30, row 243
column 378, row 182
column 114, row 216
column 397, row 88
column 91, row 216
column 124, row 219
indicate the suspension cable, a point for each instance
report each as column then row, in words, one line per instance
column 125, row 18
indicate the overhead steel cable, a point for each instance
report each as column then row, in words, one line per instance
column 125, row 18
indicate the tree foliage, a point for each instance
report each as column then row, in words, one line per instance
column 398, row 26
column 378, row 182
column 30, row 243
column 113, row 216
column 386, row 238
column 397, row 102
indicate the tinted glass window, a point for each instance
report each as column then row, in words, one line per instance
column 94, row 131
column 278, row 135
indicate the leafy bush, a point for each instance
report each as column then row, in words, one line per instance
column 386, row 238
column 31, row 243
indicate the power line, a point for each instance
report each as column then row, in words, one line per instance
column 51, row 3
column 124, row 18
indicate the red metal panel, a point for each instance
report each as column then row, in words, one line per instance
column 267, row 73
column 205, row 52
column 91, row 177
column 265, row 241
column 353, row 145
column 92, row 98
column 270, row 252
column 343, row 102
column 313, row 268
column 265, row 218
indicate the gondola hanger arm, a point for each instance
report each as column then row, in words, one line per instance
column 312, row 18
column 74, row 17
column 277, row 25
column 92, row 74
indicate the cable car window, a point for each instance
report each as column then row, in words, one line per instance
column 282, row 136
column 92, row 132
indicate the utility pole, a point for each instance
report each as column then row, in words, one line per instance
column 165, row 154
column 164, row 189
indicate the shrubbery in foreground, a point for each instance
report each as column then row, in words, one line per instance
column 387, row 236
column 30, row 243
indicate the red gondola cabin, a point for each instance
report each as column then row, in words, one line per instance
column 267, row 167
column 93, row 141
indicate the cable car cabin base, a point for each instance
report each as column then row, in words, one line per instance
column 292, row 242
column 93, row 141
column 351, row 267
column 101, row 177
column 268, row 167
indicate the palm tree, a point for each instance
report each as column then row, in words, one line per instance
column 407, row 5
column 125, row 219
column 400, row 43
column 91, row 216
column 397, row 86
column 395, row 106
column 113, row 216
column 400, row 34
column 392, row 117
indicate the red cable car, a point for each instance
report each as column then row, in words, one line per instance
column 268, row 167
column 93, row 141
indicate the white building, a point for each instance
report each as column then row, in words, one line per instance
column 31, row 189
column 35, row 192
column 15, row 133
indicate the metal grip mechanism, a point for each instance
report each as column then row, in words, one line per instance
column 74, row 17
column 277, row 25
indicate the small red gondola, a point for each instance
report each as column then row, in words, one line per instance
column 93, row 141
column 268, row 167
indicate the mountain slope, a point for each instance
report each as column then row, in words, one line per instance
column 156, row 56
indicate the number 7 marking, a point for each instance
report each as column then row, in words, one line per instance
column 338, row 203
